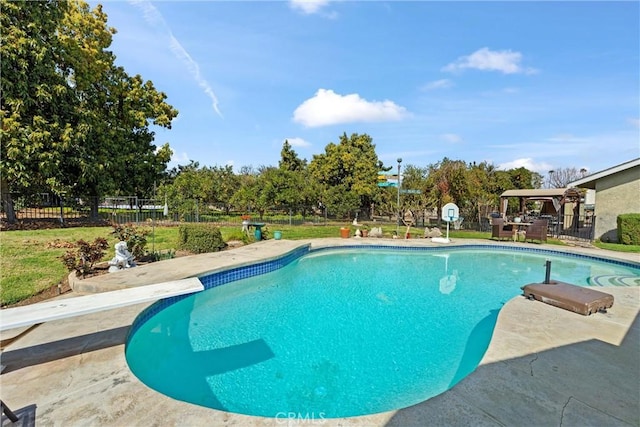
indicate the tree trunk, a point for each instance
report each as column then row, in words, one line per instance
column 7, row 202
column 94, row 216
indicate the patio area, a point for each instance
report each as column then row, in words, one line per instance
column 544, row 366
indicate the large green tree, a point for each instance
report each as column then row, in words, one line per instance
column 225, row 184
column 482, row 199
column 301, row 190
column 347, row 175
column 37, row 101
column 73, row 121
column 447, row 182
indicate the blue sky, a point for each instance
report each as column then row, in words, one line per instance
column 543, row 85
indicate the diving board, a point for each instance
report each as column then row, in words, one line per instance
column 69, row 307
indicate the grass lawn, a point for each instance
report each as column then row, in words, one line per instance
column 30, row 261
column 617, row 247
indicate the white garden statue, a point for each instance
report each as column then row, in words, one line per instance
column 123, row 258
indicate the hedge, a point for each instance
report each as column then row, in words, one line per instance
column 629, row 229
column 200, row 238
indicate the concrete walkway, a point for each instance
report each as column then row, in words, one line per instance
column 544, row 366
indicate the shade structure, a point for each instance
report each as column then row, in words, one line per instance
column 557, row 196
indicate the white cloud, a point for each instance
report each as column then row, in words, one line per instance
column 178, row 159
column 438, row 84
column 451, row 138
column 155, row 19
column 528, row 163
column 505, row 61
column 308, row 7
column 297, row 142
column 329, row 108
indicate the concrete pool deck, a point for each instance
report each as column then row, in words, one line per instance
column 545, row 366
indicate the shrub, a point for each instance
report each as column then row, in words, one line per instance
column 629, row 229
column 238, row 235
column 86, row 256
column 200, row 238
column 162, row 255
column 136, row 238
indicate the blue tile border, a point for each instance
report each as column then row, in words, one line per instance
column 211, row 280
column 629, row 264
column 217, row 278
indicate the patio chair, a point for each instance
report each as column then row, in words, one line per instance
column 537, row 230
column 499, row 230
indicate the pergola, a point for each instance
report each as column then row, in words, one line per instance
column 557, row 197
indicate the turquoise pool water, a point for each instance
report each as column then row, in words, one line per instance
column 340, row 333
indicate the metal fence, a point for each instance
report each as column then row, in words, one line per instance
column 44, row 208
column 572, row 227
column 566, row 227
column 130, row 209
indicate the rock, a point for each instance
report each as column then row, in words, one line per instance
column 433, row 232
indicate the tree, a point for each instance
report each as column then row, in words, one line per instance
column 245, row 197
column 480, row 179
column 196, row 189
column 413, row 178
column 73, row 122
column 189, row 189
column 561, row 177
column 226, row 183
column 302, row 191
column 347, row 174
column 446, row 182
column 289, row 159
column 36, row 100
column 521, row 178
column 143, row 175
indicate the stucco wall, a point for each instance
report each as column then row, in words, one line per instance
column 616, row 194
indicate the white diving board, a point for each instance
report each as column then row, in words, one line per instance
column 32, row 314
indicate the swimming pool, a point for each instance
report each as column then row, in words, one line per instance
column 336, row 333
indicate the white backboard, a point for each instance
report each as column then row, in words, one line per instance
column 450, row 212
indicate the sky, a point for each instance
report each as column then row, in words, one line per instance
column 543, row 85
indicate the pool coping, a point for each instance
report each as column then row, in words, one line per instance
column 102, row 387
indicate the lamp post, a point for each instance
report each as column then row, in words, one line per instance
column 399, row 185
column 550, row 175
column 153, row 220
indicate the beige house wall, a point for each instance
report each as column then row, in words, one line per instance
column 616, row 194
